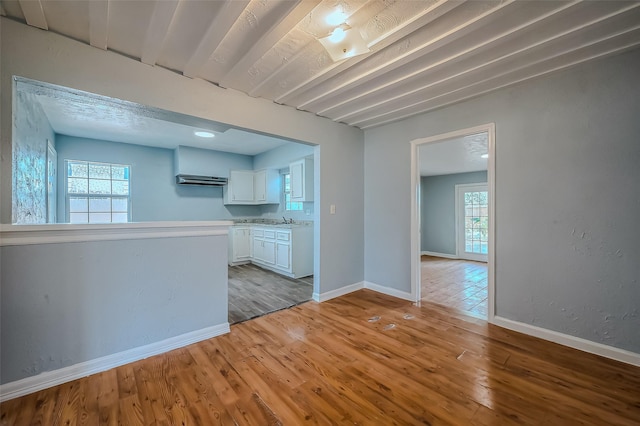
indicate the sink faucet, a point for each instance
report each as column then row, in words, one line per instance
column 285, row 220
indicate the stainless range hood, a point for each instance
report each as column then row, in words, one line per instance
column 200, row 180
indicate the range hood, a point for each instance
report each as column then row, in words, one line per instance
column 200, row 180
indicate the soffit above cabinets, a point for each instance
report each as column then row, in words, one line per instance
column 423, row 54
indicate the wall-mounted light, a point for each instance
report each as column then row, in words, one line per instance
column 203, row 134
column 484, row 156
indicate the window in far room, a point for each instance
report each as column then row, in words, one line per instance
column 97, row 192
column 288, row 204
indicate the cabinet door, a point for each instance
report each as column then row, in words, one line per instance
column 258, row 250
column 260, row 186
column 242, row 245
column 241, row 186
column 269, row 252
column 296, row 176
column 283, row 256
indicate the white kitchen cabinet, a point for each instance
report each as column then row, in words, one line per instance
column 248, row 187
column 239, row 189
column 287, row 251
column 266, row 185
column 301, row 180
column 264, row 246
column 240, row 243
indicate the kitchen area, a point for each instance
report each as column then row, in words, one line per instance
column 270, row 260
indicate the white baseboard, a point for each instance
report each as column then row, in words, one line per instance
column 436, row 254
column 63, row 375
column 389, row 291
column 337, row 292
column 585, row 345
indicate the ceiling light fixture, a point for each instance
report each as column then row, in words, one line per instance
column 343, row 42
column 203, row 134
column 336, row 17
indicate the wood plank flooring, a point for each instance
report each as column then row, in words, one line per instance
column 458, row 284
column 254, row 291
column 363, row 358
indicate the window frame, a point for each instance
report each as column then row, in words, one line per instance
column 286, row 176
column 89, row 196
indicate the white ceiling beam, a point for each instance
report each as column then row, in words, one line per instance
column 99, row 23
column 395, row 34
column 33, row 13
column 452, row 33
column 475, row 49
column 216, row 32
column 521, row 52
column 559, row 62
column 163, row 13
column 294, row 12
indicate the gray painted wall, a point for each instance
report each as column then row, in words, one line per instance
column 567, row 198
column 154, row 193
column 438, row 213
column 74, row 302
column 32, row 131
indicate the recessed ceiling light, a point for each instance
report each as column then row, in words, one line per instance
column 484, row 156
column 203, row 134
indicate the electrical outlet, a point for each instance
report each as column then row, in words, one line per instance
column 332, row 209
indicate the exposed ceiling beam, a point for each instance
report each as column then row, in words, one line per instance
column 216, row 32
column 163, row 13
column 33, row 13
column 523, row 55
column 395, row 34
column 452, row 33
column 559, row 62
column 99, row 23
column 290, row 17
column 475, row 49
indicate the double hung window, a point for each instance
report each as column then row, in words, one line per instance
column 97, row 192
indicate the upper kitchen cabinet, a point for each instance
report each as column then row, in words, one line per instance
column 301, row 175
column 266, row 186
column 250, row 187
column 239, row 189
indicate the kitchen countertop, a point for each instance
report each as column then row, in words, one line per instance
column 273, row 222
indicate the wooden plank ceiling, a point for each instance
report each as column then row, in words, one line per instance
column 423, row 54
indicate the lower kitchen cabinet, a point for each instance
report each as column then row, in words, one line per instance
column 240, row 245
column 287, row 251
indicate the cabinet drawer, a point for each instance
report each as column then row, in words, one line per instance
column 258, row 232
column 283, row 236
column 269, row 234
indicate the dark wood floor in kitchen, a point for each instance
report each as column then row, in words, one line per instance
column 254, row 291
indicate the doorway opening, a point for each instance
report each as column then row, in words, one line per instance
column 452, row 220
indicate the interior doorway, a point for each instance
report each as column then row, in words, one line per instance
column 452, row 220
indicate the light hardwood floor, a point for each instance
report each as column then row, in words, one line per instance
column 254, row 291
column 458, row 284
column 342, row 362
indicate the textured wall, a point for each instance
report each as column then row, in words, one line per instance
column 437, row 210
column 74, row 302
column 567, row 198
column 31, row 130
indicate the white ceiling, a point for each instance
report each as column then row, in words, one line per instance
column 459, row 155
column 424, row 54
